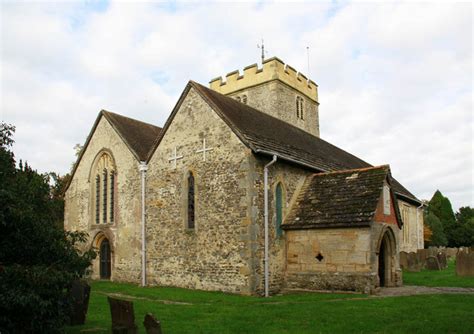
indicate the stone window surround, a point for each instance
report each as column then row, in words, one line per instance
column 299, row 101
column 279, row 181
column 103, row 159
column 184, row 200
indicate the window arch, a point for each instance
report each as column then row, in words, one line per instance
column 278, row 209
column 191, row 202
column 299, row 107
column 104, row 201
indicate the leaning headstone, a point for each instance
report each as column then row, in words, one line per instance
column 123, row 317
column 152, row 325
column 79, row 297
column 432, row 263
column 465, row 264
column 403, row 260
column 421, row 255
column 442, row 259
column 413, row 263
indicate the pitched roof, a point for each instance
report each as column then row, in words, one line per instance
column 138, row 136
column 266, row 134
column 343, row 199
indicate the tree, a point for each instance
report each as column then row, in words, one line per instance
column 441, row 207
column 438, row 237
column 463, row 233
column 38, row 260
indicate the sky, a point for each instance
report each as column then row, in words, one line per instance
column 395, row 78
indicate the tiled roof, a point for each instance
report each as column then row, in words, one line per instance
column 269, row 135
column 338, row 199
column 139, row 136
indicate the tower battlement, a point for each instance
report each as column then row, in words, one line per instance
column 273, row 69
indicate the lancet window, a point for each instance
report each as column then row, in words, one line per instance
column 104, row 190
column 279, row 208
column 191, row 202
column 299, row 107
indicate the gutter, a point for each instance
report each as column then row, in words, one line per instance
column 143, row 167
column 291, row 160
column 265, row 194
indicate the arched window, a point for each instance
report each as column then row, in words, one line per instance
column 105, row 259
column 191, row 191
column 97, row 199
column 238, row 98
column 299, row 107
column 244, row 99
column 104, row 190
column 278, row 209
column 104, row 194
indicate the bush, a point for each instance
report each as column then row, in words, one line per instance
column 38, row 260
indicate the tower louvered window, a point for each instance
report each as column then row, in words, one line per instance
column 191, row 216
column 299, row 107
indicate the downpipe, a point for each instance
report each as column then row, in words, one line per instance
column 143, row 169
column 265, row 185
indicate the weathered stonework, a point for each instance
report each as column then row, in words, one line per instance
column 225, row 249
column 274, row 90
column 217, row 253
column 124, row 232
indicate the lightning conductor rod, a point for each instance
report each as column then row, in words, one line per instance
column 307, row 52
column 263, row 50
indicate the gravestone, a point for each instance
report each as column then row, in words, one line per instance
column 403, row 260
column 465, row 264
column 421, row 255
column 152, row 325
column 413, row 263
column 123, row 316
column 79, row 297
column 432, row 263
column 443, row 260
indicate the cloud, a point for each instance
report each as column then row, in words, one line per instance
column 395, row 79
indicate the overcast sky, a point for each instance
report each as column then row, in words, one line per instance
column 395, row 79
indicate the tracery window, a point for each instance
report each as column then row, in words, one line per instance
column 104, row 190
column 191, row 208
column 279, row 208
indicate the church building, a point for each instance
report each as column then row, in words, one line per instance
column 237, row 192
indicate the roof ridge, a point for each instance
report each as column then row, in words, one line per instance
column 386, row 166
column 110, row 113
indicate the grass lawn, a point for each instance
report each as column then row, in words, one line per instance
column 188, row 311
column 446, row 277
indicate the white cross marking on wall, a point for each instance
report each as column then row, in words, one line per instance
column 204, row 149
column 175, row 158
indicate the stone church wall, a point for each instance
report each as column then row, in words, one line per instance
column 123, row 234
column 217, row 253
column 411, row 235
column 345, row 259
column 292, row 179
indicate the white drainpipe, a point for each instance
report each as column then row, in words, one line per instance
column 265, row 192
column 143, row 168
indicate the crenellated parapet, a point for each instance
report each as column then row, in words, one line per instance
column 273, row 69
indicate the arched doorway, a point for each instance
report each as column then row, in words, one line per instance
column 105, row 259
column 386, row 261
